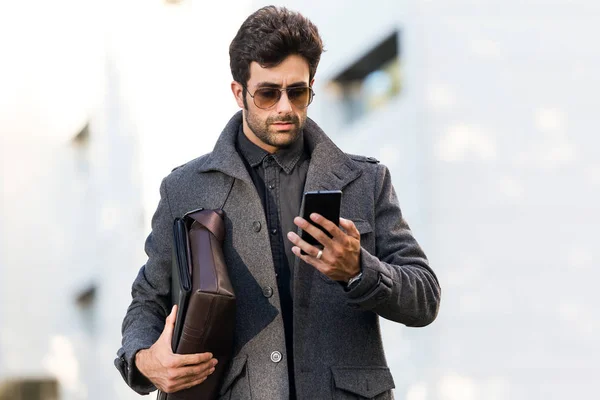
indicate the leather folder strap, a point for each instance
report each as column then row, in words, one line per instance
column 211, row 220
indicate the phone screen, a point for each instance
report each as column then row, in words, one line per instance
column 326, row 203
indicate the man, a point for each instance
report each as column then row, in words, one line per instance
column 306, row 325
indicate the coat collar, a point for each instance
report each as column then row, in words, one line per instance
column 330, row 168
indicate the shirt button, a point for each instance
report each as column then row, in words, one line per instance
column 256, row 226
column 267, row 291
column 274, row 231
column 271, row 186
column 275, row 356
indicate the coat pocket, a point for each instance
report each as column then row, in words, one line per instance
column 236, row 384
column 362, row 383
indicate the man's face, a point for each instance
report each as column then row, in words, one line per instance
column 280, row 125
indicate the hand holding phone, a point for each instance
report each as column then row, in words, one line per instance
column 340, row 259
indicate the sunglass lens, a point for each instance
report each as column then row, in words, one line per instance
column 299, row 96
column 265, row 98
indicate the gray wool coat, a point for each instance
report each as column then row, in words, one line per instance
column 338, row 351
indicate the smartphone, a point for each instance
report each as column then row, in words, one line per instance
column 324, row 202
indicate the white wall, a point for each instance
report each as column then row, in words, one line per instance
column 71, row 217
column 510, row 89
column 65, row 208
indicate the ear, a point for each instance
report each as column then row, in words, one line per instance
column 238, row 93
column 312, row 82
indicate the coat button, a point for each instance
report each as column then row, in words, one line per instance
column 267, row 291
column 275, row 356
column 256, row 226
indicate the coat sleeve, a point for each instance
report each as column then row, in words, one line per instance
column 397, row 282
column 151, row 301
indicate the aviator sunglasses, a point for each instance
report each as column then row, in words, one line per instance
column 266, row 97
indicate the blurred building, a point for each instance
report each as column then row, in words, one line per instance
column 484, row 113
column 94, row 111
column 71, row 216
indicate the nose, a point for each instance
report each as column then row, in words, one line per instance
column 284, row 105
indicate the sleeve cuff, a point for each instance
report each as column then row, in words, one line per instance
column 125, row 363
column 374, row 287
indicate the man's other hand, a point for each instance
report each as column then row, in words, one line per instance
column 172, row 372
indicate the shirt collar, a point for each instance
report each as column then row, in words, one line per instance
column 251, row 152
column 286, row 158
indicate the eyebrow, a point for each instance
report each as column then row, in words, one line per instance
column 275, row 85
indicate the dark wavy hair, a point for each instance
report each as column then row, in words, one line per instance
column 268, row 36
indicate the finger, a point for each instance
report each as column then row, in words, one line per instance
column 350, row 228
column 195, row 371
column 329, row 226
column 170, row 326
column 192, row 359
column 318, row 264
column 313, row 231
column 193, row 383
column 302, row 244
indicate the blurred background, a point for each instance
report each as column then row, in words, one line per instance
column 484, row 111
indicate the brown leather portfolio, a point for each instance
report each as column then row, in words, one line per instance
column 206, row 302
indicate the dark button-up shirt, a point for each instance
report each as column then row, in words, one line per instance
column 279, row 180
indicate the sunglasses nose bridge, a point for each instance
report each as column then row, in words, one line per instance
column 283, row 105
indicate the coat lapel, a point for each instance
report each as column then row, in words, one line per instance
column 329, row 169
column 224, row 157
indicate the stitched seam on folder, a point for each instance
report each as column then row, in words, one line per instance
column 208, row 317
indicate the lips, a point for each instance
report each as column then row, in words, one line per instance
column 283, row 125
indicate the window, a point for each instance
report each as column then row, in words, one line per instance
column 82, row 137
column 370, row 82
column 29, row 389
column 81, row 146
column 86, row 302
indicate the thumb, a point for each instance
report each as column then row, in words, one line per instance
column 350, row 228
column 167, row 333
